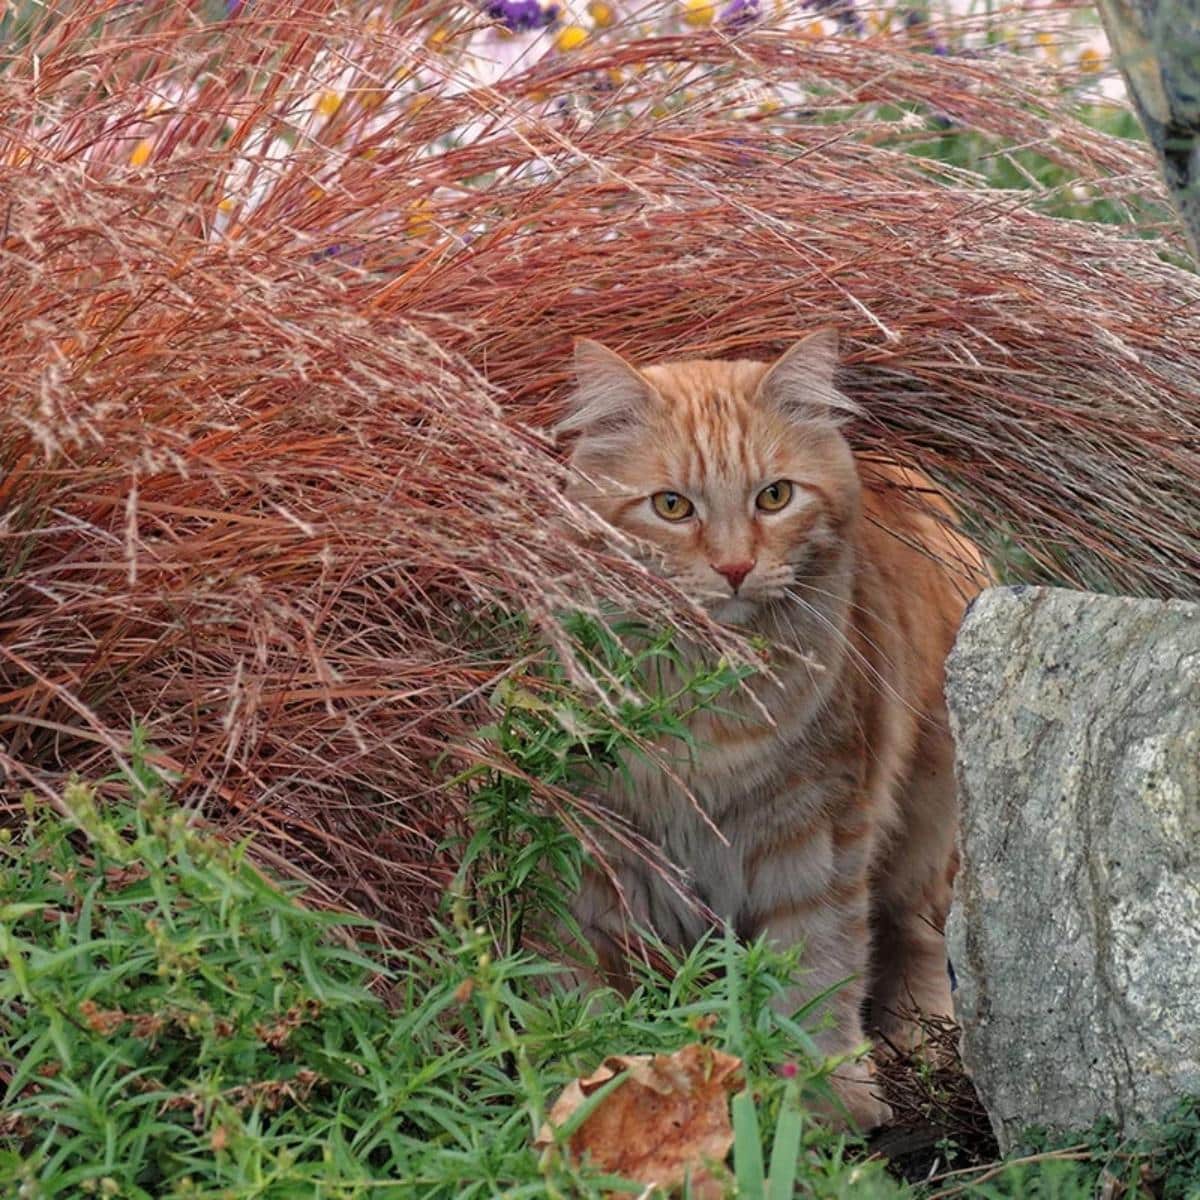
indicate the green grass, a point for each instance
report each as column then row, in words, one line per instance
column 1060, row 194
column 173, row 1024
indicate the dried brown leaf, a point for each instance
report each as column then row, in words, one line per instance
column 669, row 1120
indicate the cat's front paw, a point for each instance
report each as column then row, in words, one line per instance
column 854, row 1085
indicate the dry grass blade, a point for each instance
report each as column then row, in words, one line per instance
column 270, row 361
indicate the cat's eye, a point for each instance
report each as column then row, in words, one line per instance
column 774, row 496
column 671, row 506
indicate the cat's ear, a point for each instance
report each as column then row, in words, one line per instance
column 800, row 383
column 611, row 396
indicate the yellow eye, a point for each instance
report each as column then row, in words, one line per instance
column 671, row 506
column 774, row 496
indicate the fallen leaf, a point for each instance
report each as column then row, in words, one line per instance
column 669, row 1119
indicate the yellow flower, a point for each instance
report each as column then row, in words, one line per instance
column 419, row 221
column 141, row 153
column 602, row 14
column 329, row 103
column 1049, row 43
column 1090, row 60
column 767, row 107
column 226, row 204
column 571, row 37
column 699, row 12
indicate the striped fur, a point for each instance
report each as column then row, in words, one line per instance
column 832, row 827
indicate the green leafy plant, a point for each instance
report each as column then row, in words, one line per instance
column 173, row 1023
column 520, row 856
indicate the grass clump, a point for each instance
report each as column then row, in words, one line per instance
column 174, row 1024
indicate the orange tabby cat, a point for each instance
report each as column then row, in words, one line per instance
column 832, row 825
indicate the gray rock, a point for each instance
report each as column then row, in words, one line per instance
column 1076, row 930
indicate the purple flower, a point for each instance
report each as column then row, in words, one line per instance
column 351, row 254
column 737, row 14
column 842, row 11
column 518, row 16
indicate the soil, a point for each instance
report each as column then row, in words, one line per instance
column 940, row 1122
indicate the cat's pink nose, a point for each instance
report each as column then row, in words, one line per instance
column 734, row 572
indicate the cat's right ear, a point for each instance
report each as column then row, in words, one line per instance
column 800, row 383
column 611, row 397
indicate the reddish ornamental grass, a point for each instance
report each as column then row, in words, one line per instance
column 269, row 480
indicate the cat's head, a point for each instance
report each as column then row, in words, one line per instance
column 735, row 472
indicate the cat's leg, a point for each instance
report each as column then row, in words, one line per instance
column 612, row 922
column 832, row 925
column 603, row 924
column 913, row 890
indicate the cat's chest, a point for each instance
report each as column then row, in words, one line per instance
column 711, row 815
column 736, row 761
column 712, row 855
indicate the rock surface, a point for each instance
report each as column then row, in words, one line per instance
column 1076, row 931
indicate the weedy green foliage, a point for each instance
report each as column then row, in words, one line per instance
column 1163, row 1160
column 172, row 1024
column 522, row 858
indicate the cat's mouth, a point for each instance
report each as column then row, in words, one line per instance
column 742, row 607
column 735, row 610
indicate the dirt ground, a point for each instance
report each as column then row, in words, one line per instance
column 940, row 1123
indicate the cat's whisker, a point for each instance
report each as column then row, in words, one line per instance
column 853, row 652
column 836, row 596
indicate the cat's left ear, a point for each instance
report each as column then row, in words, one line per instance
column 611, row 396
column 800, row 383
